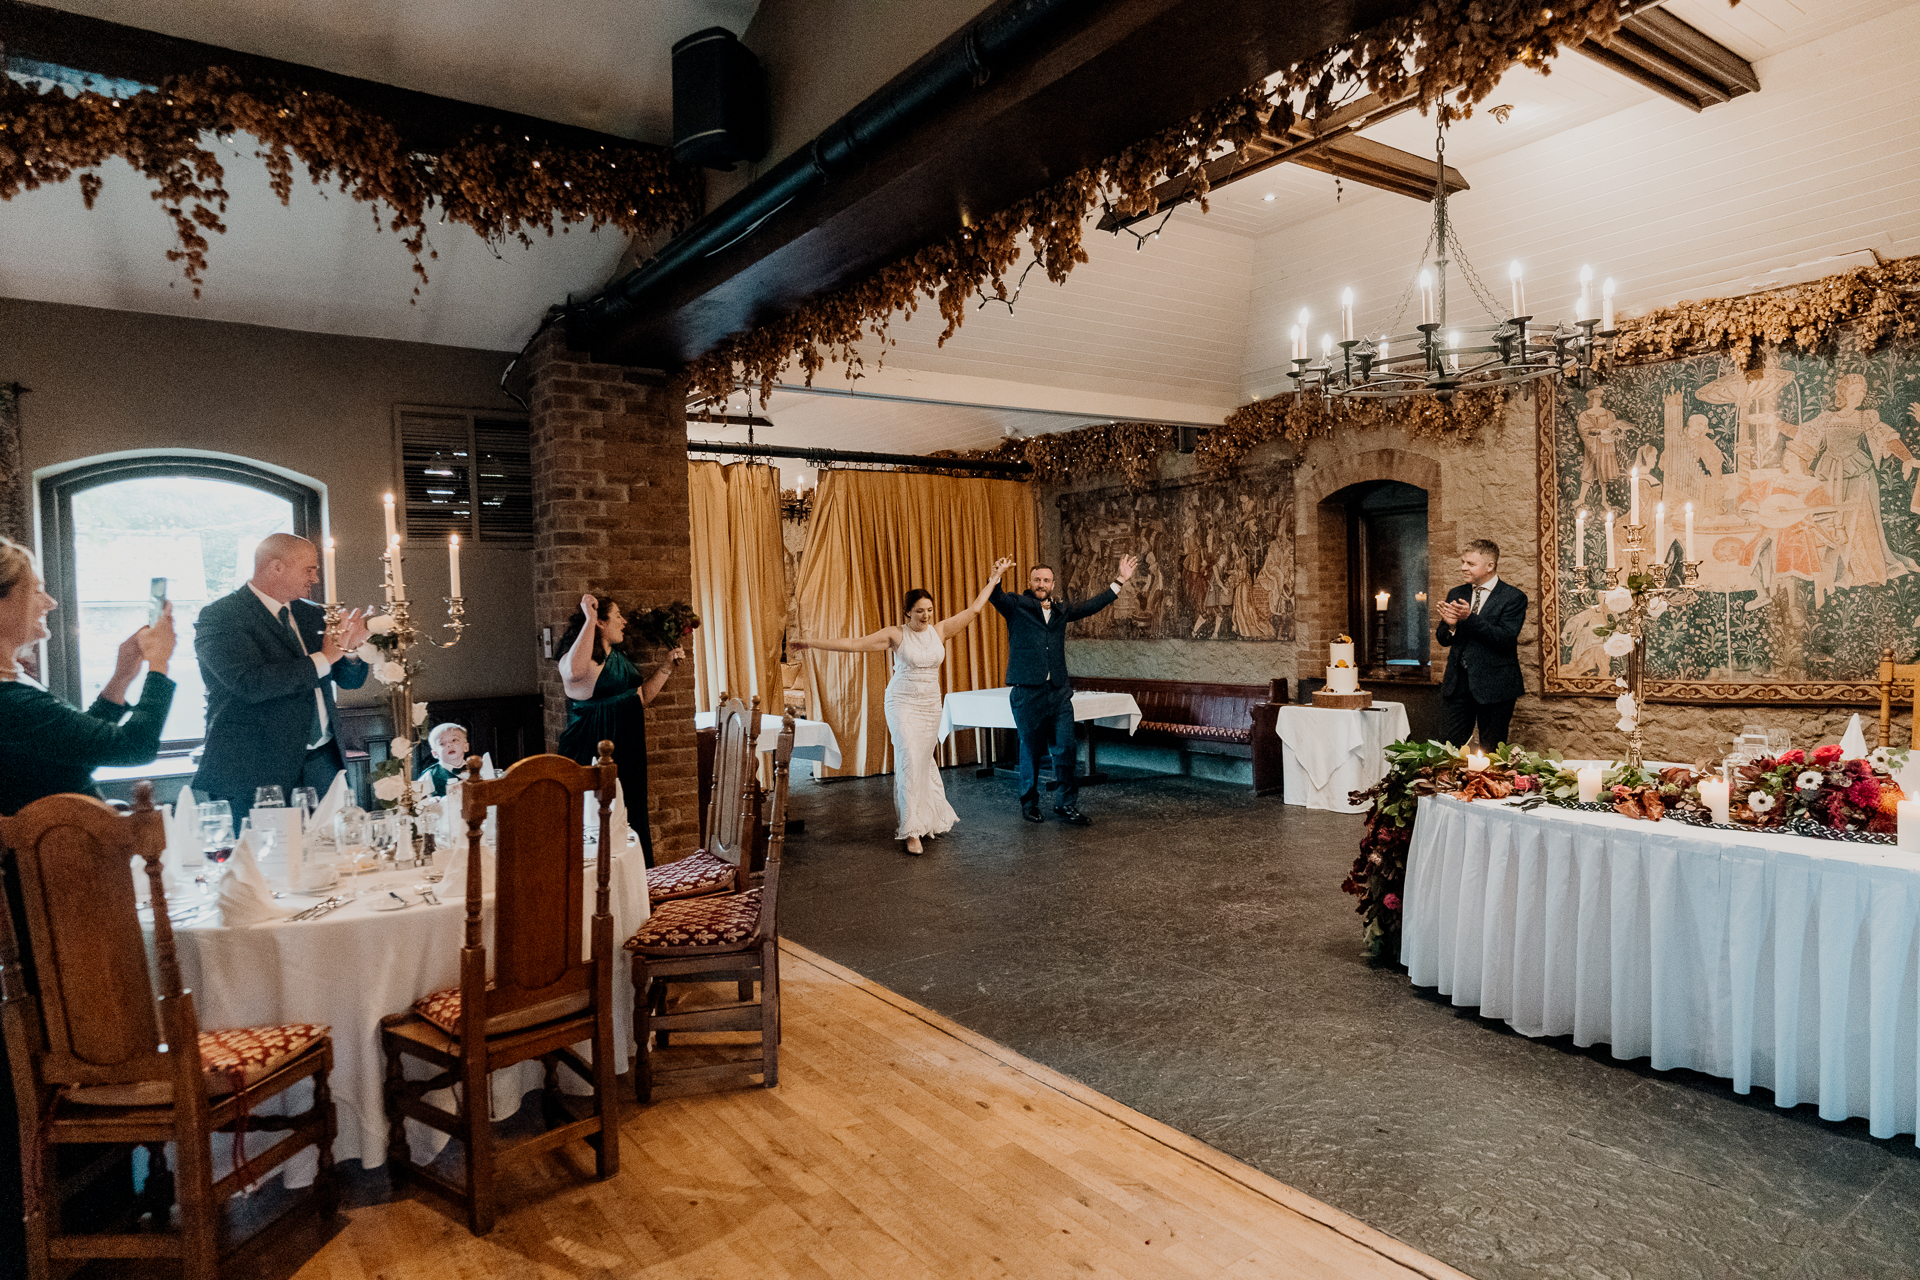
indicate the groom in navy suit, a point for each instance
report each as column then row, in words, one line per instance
column 1480, row 622
column 270, row 669
column 1042, row 695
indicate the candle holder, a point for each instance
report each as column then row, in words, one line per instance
column 1647, row 579
column 1377, row 668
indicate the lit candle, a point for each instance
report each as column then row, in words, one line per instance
column 1383, row 352
column 1610, row 560
column 1585, row 308
column 1633, row 496
column 1659, row 531
column 1690, row 554
column 1346, row 315
column 1519, row 293
column 1476, row 761
column 453, row 563
column 391, row 527
column 1426, row 297
column 1326, row 347
column 1606, row 306
column 1714, row 793
column 1453, row 347
column 333, row 593
column 1380, row 601
column 1589, row 783
column 1580, row 539
column 1299, row 343
column 393, row 552
column 1909, row 818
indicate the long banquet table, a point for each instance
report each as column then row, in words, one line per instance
column 1785, row 962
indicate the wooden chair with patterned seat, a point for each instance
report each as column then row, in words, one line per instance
column 1898, row 676
column 721, row 938
column 540, row 998
column 722, row 865
column 98, row 1062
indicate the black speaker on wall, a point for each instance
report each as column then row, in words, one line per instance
column 719, row 101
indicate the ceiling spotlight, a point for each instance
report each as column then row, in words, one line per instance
column 1268, row 197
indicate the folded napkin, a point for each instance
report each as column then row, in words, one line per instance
column 245, row 898
column 617, row 818
column 453, row 881
column 1853, row 743
column 185, row 849
column 331, row 804
column 143, row 887
column 486, row 765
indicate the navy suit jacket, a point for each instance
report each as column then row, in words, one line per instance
column 1036, row 647
column 1485, row 662
column 260, row 693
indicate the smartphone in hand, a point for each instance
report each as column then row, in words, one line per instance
column 156, row 597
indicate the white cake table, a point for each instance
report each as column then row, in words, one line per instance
column 1326, row 754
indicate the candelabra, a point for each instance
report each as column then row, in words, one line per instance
column 1510, row 353
column 1645, row 577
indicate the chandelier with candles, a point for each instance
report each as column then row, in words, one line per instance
column 1437, row 360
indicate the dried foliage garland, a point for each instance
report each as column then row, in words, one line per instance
column 1874, row 304
column 1298, row 416
column 1129, row 449
column 1449, row 54
column 498, row 185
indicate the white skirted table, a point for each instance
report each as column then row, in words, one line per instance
column 1785, row 962
column 1326, row 754
column 812, row 739
column 354, row 966
column 993, row 709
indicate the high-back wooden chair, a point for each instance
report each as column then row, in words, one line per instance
column 97, row 1061
column 723, row 865
column 1898, row 676
column 731, row 937
column 540, row 998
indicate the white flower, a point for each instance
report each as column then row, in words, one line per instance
column 389, row 788
column 1760, row 802
column 1618, row 645
column 1880, row 758
column 1619, row 682
column 1625, row 724
column 1618, row 600
column 1656, row 606
column 1625, row 706
column 1809, row 780
column 399, row 747
column 381, row 625
column 389, row 672
column 367, row 653
column 419, row 714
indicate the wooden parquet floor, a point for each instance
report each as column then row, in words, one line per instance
column 898, row 1144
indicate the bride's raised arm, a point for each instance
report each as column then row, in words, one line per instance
column 950, row 627
column 879, row 642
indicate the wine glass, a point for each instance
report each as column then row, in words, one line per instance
column 1779, row 742
column 269, row 798
column 216, row 830
column 307, row 798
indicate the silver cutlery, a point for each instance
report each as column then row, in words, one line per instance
column 319, row 909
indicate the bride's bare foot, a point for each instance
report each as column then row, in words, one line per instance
column 913, row 845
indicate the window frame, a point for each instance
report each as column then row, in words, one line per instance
column 57, row 548
column 473, row 534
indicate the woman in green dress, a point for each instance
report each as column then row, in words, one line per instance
column 607, row 699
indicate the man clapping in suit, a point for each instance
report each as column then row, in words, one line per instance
column 1480, row 622
column 270, row 669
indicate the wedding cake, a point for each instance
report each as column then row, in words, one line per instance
column 1342, row 675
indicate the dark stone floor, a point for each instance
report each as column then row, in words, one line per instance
column 1191, row 955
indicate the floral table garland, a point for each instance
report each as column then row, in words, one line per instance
column 1816, row 794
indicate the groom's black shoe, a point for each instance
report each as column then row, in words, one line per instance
column 1071, row 814
column 1030, row 810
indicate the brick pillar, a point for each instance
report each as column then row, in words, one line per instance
column 610, row 515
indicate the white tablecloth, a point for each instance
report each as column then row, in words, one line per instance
column 1779, row 961
column 993, row 709
column 1327, row 754
column 812, row 739
column 353, row 967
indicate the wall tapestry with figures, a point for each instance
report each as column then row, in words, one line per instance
column 1805, row 490
column 1216, row 558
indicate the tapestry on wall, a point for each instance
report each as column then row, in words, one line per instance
column 1216, row 558
column 1804, row 486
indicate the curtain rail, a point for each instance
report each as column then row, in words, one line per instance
column 830, row 457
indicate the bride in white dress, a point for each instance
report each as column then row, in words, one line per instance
column 918, row 646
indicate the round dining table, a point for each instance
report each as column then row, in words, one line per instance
column 358, row 963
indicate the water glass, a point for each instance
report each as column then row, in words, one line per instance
column 307, row 798
column 269, row 798
column 216, row 830
column 1779, row 742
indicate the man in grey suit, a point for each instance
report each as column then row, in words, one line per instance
column 1480, row 622
column 270, row 669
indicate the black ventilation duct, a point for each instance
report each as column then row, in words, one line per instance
column 719, row 101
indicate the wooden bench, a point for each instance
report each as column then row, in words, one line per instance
column 1193, row 716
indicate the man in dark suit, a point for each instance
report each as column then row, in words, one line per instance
column 270, row 669
column 1480, row 622
column 1042, row 694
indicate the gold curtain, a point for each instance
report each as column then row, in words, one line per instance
column 739, row 582
column 875, row 535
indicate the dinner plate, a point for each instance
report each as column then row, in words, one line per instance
column 390, row 904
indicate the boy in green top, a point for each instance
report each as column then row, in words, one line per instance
column 448, row 742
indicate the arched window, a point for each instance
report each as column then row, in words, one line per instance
column 110, row 529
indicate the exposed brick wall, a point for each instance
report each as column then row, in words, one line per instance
column 610, row 515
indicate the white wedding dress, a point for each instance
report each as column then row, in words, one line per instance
column 913, row 718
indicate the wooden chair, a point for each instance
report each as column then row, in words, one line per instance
column 1891, row 674
column 541, row 999
column 723, row 865
column 731, row 937
column 96, row 1061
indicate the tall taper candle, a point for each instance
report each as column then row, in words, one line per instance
column 1326, row 347
column 1610, row 561
column 391, row 527
column 453, row 564
column 1346, row 315
column 1633, row 496
column 1606, row 306
column 1299, row 343
column 1519, row 293
column 399, row 587
column 1690, row 554
column 1426, row 297
column 1580, row 539
column 333, row 592
column 1659, row 532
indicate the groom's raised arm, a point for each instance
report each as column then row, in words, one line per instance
column 1091, row 605
column 1008, row 603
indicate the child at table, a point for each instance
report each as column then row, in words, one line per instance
column 448, row 742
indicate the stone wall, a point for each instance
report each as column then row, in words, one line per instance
column 1484, row 488
column 610, row 505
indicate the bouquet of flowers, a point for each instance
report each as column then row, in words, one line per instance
column 1846, row 795
column 668, row 626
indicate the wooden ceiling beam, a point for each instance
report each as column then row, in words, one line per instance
column 1678, row 61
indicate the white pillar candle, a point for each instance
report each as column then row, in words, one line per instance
column 453, row 563
column 1606, row 306
column 391, row 527
column 333, row 592
column 1476, row 761
column 1326, row 347
column 1633, row 496
column 1659, row 531
column 1580, row 539
column 1519, row 293
column 393, row 551
column 1589, row 784
column 1690, row 554
column 1346, row 315
column 1909, row 817
column 1426, row 297
column 1380, row 601
column 1714, row 793
column 1610, row 562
